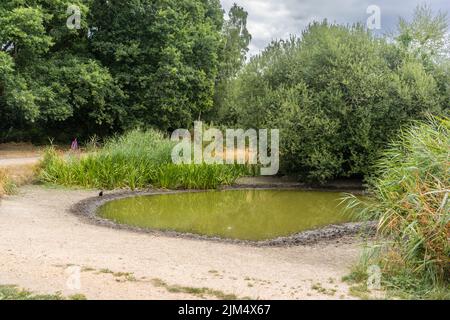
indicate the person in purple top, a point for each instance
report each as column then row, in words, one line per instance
column 74, row 146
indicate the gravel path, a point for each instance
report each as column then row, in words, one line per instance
column 40, row 239
column 18, row 161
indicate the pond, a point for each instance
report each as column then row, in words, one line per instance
column 235, row 214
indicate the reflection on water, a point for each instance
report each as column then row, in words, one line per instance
column 237, row 214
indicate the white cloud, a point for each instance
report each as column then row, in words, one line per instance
column 277, row 19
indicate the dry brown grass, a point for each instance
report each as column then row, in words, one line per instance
column 21, row 174
column 14, row 175
column 3, row 181
column 19, row 150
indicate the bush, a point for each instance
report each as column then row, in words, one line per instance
column 152, row 63
column 411, row 202
column 338, row 95
column 139, row 159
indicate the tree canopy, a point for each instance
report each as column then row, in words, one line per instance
column 339, row 94
column 131, row 63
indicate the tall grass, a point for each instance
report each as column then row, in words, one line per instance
column 7, row 185
column 411, row 202
column 138, row 159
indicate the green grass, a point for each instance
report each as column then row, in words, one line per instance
column 200, row 292
column 411, row 202
column 360, row 291
column 319, row 288
column 136, row 160
column 87, row 269
column 105, row 271
column 77, row 296
column 9, row 292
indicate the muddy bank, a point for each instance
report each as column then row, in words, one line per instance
column 340, row 185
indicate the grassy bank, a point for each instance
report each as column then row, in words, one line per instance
column 136, row 160
column 411, row 192
column 15, row 293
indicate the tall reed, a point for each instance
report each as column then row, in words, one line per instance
column 411, row 203
column 138, row 159
column 7, row 185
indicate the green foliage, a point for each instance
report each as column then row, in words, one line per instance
column 137, row 160
column 164, row 55
column 237, row 39
column 411, row 202
column 7, row 186
column 49, row 79
column 338, row 95
column 425, row 36
column 15, row 293
column 232, row 56
column 133, row 63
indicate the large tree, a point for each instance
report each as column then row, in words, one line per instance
column 50, row 83
column 236, row 42
column 233, row 55
column 426, row 35
column 131, row 63
column 163, row 53
column 338, row 94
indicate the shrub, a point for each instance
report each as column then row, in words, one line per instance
column 411, row 202
column 338, row 94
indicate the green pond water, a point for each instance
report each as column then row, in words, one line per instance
column 237, row 214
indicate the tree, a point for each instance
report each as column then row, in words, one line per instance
column 338, row 94
column 426, row 35
column 163, row 53
column 426, row 38
column 51, row 83
column 237, row 39
column 132, row 63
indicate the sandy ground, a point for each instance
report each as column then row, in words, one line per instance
column 40, row 239
column 18, row 161
column 19, row 150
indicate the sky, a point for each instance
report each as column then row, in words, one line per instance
column 278, row 19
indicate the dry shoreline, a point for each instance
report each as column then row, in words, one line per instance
column 40, row 237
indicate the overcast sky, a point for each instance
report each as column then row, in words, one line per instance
column 277, row 19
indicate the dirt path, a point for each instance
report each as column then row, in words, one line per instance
column 39, row 239
column 18, row 161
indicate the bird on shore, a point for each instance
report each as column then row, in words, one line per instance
column 100, row 194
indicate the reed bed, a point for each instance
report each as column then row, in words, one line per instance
column 136, row 160
column 411, row 203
